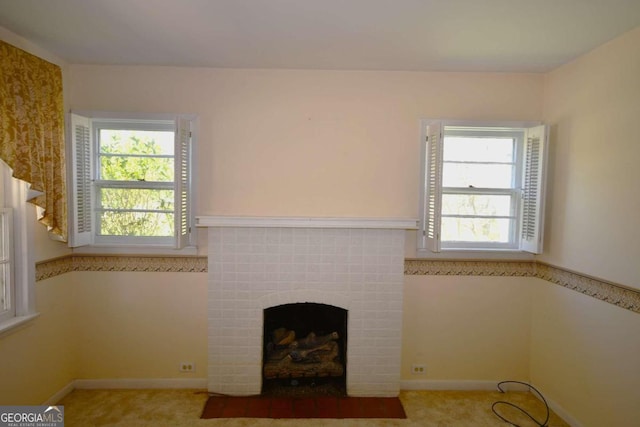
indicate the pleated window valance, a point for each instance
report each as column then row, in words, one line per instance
column 32, row 130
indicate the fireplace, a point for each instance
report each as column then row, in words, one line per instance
column 304, row 346
column 257, row 264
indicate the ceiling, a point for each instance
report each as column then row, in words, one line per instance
column 413, row 35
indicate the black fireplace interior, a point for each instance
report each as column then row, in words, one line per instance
column 304, row 349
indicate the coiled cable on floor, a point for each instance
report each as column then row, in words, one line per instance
column 502, row 402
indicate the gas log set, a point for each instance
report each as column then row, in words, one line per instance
column 311, row 356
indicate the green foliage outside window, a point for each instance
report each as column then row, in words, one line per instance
column 143, row 159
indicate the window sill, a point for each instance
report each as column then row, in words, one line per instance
column 14, row 324
column 472, row 255
column 135, row 250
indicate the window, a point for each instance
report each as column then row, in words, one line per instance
column 483, row 187
column 7, row 305
column 131, row 181
column 17, row 266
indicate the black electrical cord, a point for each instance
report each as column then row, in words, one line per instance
column 538, row 423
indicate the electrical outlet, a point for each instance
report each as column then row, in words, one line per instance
column 187, row 367
column 418, row 369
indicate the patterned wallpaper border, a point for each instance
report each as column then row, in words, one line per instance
column 423, row 267
column 611, row 293
column 160, row 264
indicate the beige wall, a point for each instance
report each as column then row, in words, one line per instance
column 467, row 328
column 39, row 359
column 585, row 352
column 308, row 143
column 584, row 356
column 140, row 325
column 327, row 143
column 593, row 105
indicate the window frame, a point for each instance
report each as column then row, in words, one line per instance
column 7, row 259
column 98, row 183
column 513, row 191
column 20, row 228
column 182, row 242
column 468, row 250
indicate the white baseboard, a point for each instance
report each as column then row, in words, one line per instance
column 459, row 385
column 560, row 411
column 57, row 396
column 470, row 385
column 126, row 383
column 140, row 383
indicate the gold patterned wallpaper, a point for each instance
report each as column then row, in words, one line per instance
column 611, row 293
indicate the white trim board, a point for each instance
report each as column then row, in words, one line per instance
column 459, row 385
column 471, row 385
column 140, row 383
column 60, row 394
column 560, row 411
column 126, row 384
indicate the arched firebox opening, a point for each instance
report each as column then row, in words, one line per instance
column 304, row 350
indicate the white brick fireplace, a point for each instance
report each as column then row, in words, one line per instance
column 257, row 263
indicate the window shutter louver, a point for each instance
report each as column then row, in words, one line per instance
column 433, row 187
column 183, row 182
column 533, row 183
column 81, row 216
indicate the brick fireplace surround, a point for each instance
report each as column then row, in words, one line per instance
column 257, row 263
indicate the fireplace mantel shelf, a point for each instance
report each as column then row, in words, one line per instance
column 306, row 222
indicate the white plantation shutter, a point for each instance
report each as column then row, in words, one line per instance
column 81, row 215
column 533, row 188
column 83, row 222
column 182, row 182
column 433, row 190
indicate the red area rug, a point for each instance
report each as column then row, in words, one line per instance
column 303, row 407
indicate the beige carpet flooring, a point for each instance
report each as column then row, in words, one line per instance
column 183, row 408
